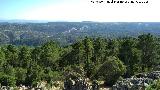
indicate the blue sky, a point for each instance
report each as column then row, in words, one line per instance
column 78, row 10
column 13, row 9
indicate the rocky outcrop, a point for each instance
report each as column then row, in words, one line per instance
column 137, row 82
column 80, row 84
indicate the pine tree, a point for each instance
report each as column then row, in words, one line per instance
column 88, row 48
column 2, row 58
column 99, row 50
column 130, row 55
column 148, row 45
column 49, row 55
column 24, row 57
column 11, row 54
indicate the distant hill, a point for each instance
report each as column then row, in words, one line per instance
column 21, row 32
column 23, row 21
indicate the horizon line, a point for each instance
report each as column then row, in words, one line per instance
column 32, row 20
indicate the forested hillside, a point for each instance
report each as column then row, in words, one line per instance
column 65, row 33
column 93, row 58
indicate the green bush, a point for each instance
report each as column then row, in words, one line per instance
column 111, row 70
column 7, row 80
column 154, row 86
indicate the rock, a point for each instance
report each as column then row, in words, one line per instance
column 3, row 88
column 137, row 82
column 77, row 84
column 154, row 75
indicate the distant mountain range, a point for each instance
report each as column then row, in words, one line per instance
column 24, row 21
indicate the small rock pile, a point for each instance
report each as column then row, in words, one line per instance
column 137, row 82
column 80, row 84
column 154, row 75
column 132, row 84
column 75, row 85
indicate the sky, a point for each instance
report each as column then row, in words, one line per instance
column 79, row 10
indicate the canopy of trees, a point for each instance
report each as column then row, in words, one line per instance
column 93, row 58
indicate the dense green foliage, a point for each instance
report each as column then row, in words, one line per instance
column 154, row 86
column 112, row 67
column 93, row 58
